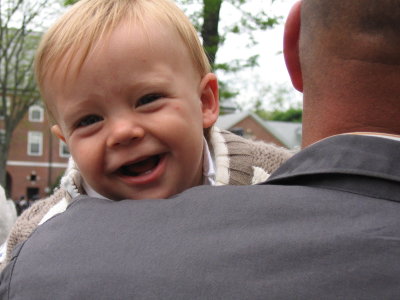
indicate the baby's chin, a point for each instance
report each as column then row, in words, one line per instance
column 118, row 194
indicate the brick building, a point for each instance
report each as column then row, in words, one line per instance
column 249, row 125
column 36, row 158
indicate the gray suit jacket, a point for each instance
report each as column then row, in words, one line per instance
column 325, row 226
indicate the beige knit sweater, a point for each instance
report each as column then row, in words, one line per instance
column 238, row 161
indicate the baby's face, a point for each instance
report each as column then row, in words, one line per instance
column 133, row 117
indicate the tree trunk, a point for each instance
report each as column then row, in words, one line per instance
column 209, row 31
column 3, row 164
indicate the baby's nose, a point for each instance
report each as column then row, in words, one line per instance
column 123, row 133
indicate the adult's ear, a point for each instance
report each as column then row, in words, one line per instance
column 209, row 99
column 291, row 46
column 56, row 130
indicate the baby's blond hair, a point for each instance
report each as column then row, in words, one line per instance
column 88, row 21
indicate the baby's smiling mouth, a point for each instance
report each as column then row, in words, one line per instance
column 143, row 167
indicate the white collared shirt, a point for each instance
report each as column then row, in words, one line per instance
column 378, row 134
column 208, row 166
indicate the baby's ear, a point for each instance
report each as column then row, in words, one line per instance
column 56, row 130
column 209, row 99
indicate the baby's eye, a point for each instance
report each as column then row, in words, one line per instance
column 89, row 120
column 148, row 99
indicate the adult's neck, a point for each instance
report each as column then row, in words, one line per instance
column 357, row 96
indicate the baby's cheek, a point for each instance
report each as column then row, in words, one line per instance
column 87, row 158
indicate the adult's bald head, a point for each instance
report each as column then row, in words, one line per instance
column 350, row 29
column 344, row 55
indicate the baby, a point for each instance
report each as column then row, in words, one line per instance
column 130, row 91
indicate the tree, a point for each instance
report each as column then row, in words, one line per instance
column 278, row 103
column 19, row 20
column 207, row 20
column 291, row 114
column 206, row 17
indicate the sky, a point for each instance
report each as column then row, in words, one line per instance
column 272, row 70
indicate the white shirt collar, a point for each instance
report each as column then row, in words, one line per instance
column 378, row 134
column 208, row 165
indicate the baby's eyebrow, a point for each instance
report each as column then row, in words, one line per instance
column 83, row 107
column 155, row 81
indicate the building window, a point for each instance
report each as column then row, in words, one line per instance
column 2, row 136
column 64, row 152
column 35, row 143
column 237, row 130
column 36, row 113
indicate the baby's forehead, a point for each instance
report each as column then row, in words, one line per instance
column 128, row 43
column 143, row 34
column 73, row 39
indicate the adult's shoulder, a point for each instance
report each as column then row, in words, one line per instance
column 228, row 242
column 28, row 222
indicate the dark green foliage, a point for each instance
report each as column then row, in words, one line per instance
column 225, row 92
column 280, row 103
column 289, row 115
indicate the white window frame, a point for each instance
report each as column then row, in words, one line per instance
column 35, row 137
column 61, row 151
column 36, row 108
